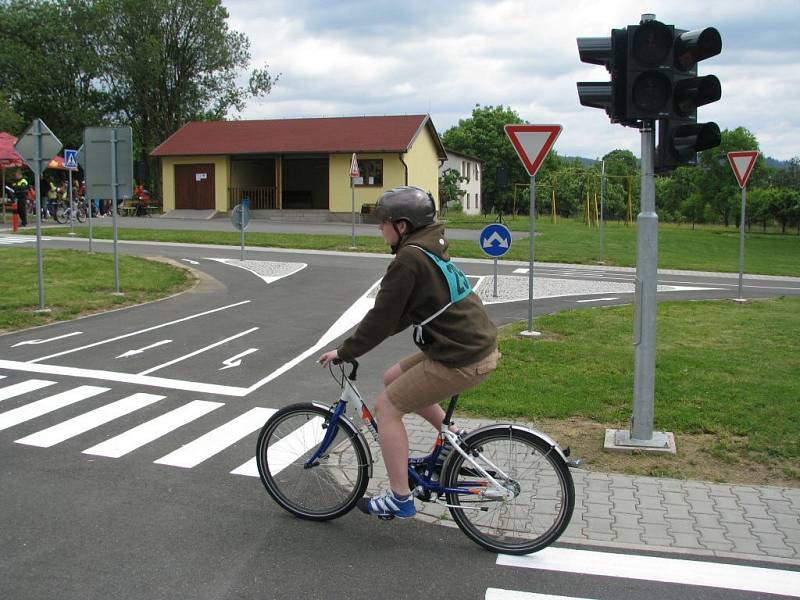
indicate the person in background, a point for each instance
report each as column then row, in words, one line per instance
column 20, row 187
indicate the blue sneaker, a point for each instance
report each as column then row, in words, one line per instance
column 387, row 506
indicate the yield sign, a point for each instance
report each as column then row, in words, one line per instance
column 354, row 166
column 742, row 164
column 532, row 143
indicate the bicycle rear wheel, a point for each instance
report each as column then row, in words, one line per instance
column 329, row 488
column 80, row 214
column 543, row 491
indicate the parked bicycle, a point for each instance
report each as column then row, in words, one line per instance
column 64, row 212
column 508, row 487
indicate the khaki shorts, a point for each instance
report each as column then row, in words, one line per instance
column 425, row 382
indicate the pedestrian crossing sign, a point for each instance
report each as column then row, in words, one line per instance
column 71, row 160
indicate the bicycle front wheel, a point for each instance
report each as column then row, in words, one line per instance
column 322, row 491
column 528, row 467
column 62, row 214
column 80, row 214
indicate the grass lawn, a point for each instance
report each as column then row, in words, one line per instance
column 726, row 374
column 702, row 249
column 77, row 283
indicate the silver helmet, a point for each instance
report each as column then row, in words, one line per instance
column 409, row 203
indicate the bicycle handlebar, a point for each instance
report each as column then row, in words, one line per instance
column 354, row 362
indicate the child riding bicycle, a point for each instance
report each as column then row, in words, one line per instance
column 456, row 339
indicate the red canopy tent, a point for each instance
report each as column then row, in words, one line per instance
column 9, row 158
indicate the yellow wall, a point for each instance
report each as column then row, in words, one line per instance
column 221, row 178
column 423, row 164
column 394, row 174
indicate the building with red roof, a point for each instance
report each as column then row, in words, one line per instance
column 291, row 164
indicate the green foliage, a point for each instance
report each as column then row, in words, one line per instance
column 450, row 193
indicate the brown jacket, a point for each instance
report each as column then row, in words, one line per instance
column 412, row 290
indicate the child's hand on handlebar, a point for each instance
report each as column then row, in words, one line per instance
column 326, row 358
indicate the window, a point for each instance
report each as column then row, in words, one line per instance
column 477, row 203
column 467, row 195
column 476, row 172
column 371, row 173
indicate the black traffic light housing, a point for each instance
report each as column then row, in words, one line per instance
column 680, row 136
column 648, row 85
column 612, row 53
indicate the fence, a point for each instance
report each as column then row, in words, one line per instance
column 261, row 198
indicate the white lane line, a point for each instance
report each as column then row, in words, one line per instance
column 87, row 421
column 160, row 382
column 196, row 352
column 142, row 350
column 153, row 429
column 498, row 594
column 52, row 339
column 351, row 317
column 23, row 387
column 46, row 405
column 215, row 441
column 153, row 328
column 597, row 299
column 287, row 450
column 665, row 570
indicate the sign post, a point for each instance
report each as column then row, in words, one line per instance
column 37, row 146
column 495, row 241
column 71, row 164
column 532, row 143
column 742, row 163
column 109, row 171
column 354, row 172
column 240, row 217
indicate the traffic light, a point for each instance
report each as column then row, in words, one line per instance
column 680, row 136
column 649, row 67
column 612, row 53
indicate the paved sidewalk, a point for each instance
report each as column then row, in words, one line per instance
column 632, row 512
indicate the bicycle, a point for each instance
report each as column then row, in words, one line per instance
column 64, row 212
column 507, row 487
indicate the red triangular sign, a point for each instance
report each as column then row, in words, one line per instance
column 532, row 143
column 742, row 164
column 354, row 172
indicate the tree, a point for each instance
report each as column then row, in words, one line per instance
column 450, row 191
column 718, row 187
column 49, row 68
column 9, row 119
column 168, row 62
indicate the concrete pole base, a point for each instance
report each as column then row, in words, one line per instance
column 740, row 300
column 620, row 440
column 530, row 334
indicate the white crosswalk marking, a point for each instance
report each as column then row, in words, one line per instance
column 498, row 594
column 46, row 405
column 94, row 418
column 153, row 429
column 23, row 387
column 284, row 452
column 7, row 240
column 665, row 570
column 216, row 440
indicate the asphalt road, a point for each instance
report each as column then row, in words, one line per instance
column 103, row 496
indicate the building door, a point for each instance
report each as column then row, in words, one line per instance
column 194, row 186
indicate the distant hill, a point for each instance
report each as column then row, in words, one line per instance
column 587, row 162
column 774, row 163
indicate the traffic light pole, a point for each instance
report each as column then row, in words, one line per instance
column 641, row 434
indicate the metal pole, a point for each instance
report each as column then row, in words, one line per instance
column 495, row 278
column 602, row 194
column 90, row 208
column 241, row 231
column 71, row 208
column 38, row 203
column 741, row 242
column 530, row 332
column 646, row 287
column 114, row 204
column 353, row 208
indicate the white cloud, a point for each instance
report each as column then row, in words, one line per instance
column 378, row 57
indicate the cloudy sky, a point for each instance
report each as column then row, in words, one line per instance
column 350, row 57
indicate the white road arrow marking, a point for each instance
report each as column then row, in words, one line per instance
column 53, row 339
column 190, row 261
column 235, row 361
column 140, row 350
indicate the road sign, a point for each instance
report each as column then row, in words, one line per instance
column 97, row 142
column 354, row 172
column 37, row 155
column 742, row 163
column 532, row 143
column 495, row 240
column 71, row 160
column 240, row 215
